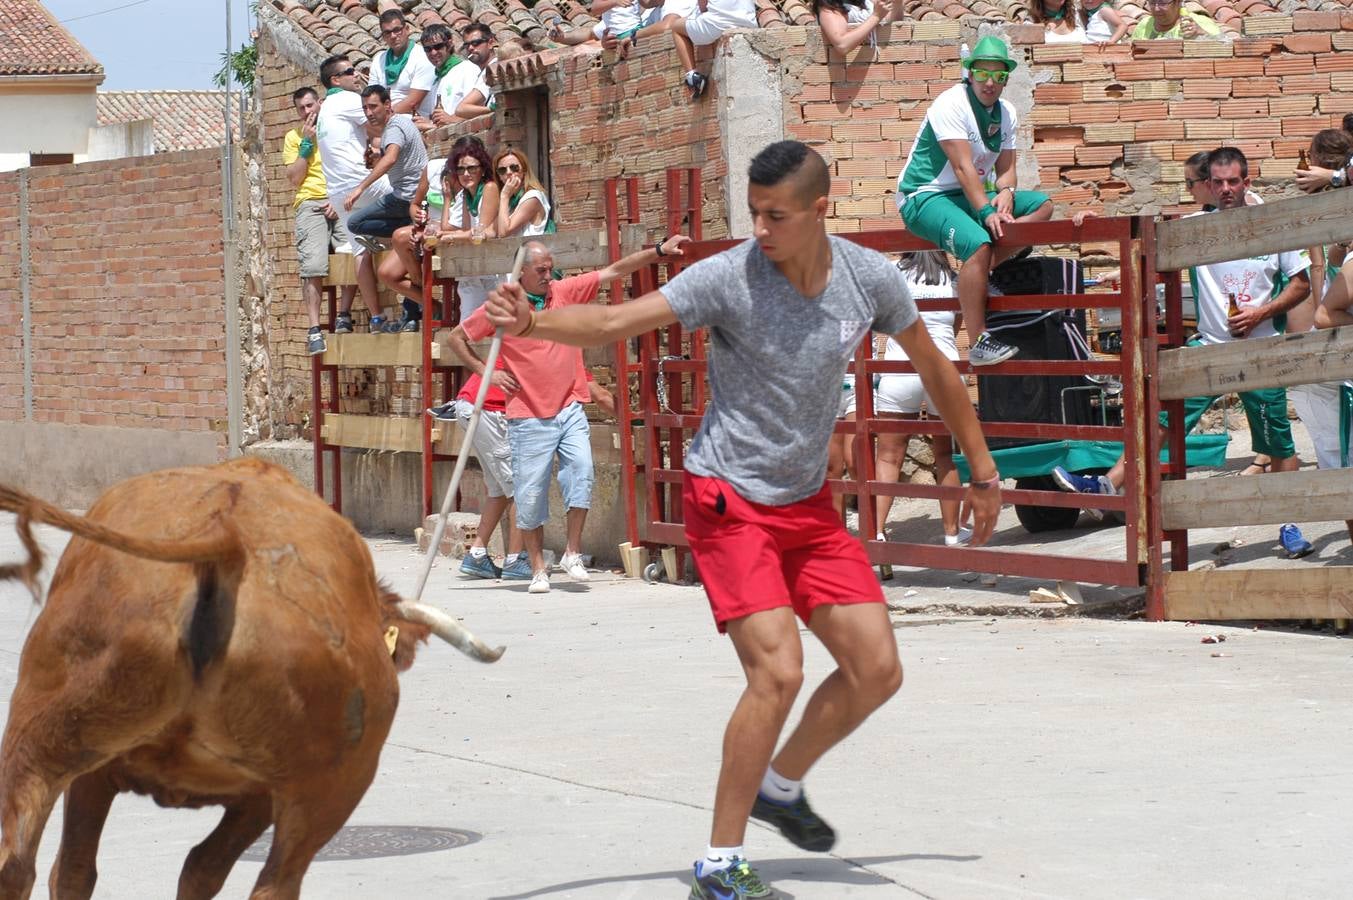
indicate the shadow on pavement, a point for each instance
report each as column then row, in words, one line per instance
column 826, row 869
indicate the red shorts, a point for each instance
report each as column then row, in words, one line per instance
column 754, row 557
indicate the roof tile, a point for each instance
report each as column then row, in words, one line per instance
column 184, row 120
column 32, row 42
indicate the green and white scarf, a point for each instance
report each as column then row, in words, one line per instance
column 988, row 120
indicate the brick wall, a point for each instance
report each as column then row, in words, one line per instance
column 1110, row 126
column 11, row 303
column 127, row 294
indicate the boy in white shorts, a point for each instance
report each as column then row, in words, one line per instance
column 696, row 23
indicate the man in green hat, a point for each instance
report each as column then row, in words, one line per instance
column 958, row 187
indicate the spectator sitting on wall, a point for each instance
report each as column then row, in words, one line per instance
column 317, row 225
column 958, row 187
column 1264, row 287
column 402, row 67
column 474, row 214
column 1331, row 149
column 494, row 452
column 620, row 21
column 846, row 24
column 341, row 130
column 1169, row 19
column 696, row 23
column 1327, row 169
column 523, row 208
column 1102, row 23
column 1059, row 21
column 469, row 89
column 405, row 158
column 436, row 43
column 545, row 415
column 399, row 268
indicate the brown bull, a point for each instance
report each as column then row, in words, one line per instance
column 211, row 636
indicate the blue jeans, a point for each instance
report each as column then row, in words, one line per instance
column 534, row 444
column 382, row 218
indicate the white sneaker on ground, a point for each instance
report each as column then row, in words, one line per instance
column 953, row 540
column 572, row 564
column 540, row 583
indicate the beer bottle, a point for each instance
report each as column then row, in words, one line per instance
column 1302, row 161
column 1232, row 307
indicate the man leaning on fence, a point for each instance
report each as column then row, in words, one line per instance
column 1244, row 298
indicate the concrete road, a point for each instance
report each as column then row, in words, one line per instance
column 1051, row 758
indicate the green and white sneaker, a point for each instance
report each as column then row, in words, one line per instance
column 737, row 882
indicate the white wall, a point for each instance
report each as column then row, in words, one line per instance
column 120, row 140
column 46, row 121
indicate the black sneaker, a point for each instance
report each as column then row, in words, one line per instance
column 378, row 324
column 988, row 351
column 695, row 83
column 797, row 822
column 343, row 324
column 314, row 343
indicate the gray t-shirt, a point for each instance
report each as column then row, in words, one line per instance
column 413, row 156
column 777, row 359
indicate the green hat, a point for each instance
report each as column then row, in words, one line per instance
column 990, row 49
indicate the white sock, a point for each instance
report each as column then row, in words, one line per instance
column 479, row 552
column 779, row 788
column 510, row 558
column 717, row 858
column 880, row 537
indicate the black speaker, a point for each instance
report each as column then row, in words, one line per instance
column 1038, row 334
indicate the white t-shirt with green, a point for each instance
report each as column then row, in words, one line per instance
column 1255, row 281
column 951, row 118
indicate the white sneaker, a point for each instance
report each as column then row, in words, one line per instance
column 540, row 583
column 953, row 540
column 572, row 564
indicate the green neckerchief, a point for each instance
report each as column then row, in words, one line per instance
column 333, row 90
column 446, row 66
column 1053, row 16
column 472, row 200
column 988, row 120
column 537, row 300
column 515, row 199
column 394, row 66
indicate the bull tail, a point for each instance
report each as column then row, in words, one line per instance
column 223, row 546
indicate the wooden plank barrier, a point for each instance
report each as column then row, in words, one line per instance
column 1283, row 360
column 1324, row 495
column 1294, row 224
column 573, row 248
column 1317, row 592
column 376, row 432
column 360, row 349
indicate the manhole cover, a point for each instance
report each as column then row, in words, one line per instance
column 372, row 841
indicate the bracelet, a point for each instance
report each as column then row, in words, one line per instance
column 1008, row 187
column 657, row 248
column 307, row 148
column 530, row 325
column 985, row 211
column 987, row 484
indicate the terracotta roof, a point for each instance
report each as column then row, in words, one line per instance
column 353, row 26
column 184, row 120
column 32, row 42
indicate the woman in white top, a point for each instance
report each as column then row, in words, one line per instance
column 1058, row 18
column 846, row 24
column 523, row 208
column 900, row 396
column 1102, row 23
column 471, row 214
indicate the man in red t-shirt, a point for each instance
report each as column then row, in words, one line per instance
column 545, row 411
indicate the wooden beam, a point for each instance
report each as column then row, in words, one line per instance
column 343, row 269
column 377, row 432
column 1283, row 360
column 358, row 349
column 574, row 248
column 1293, row 224
column 1312, row 592
column 1318, row 496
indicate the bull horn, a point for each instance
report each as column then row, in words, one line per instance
column 449, row 630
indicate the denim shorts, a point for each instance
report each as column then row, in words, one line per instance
column 534, row 445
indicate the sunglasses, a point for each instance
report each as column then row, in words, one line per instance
column 465, row 170
column 350, row 70
column 476, row 42
column 438, row 46
column 514, row 168
column 982, row 75
column 391, row 32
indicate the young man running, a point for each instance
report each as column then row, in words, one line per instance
column 958, row 190
column 785, row 312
